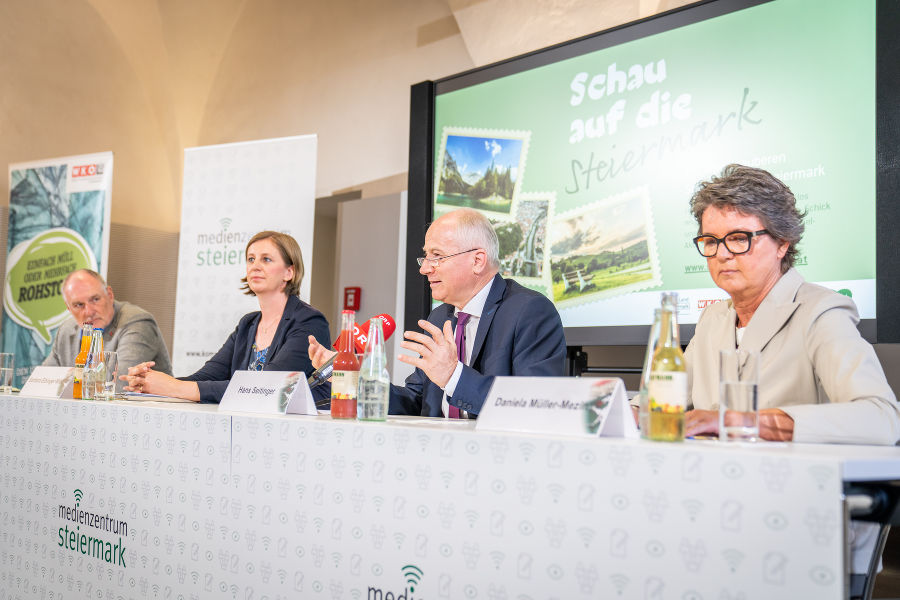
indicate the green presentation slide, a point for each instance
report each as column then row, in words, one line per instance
column 586, row 166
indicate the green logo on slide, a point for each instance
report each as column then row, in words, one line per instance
column 35, row 271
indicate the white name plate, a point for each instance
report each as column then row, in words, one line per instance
column 574, row 406
column 269, row 392
column 49, row 382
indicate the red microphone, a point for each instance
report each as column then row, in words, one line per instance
column 361, row 332
column 387, row 327
column 360, row 337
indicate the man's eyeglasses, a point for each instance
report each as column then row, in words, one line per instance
column 736, row 242
column 435, row 261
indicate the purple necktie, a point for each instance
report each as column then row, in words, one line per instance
column 461, row 319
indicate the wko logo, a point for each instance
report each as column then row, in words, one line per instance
column 87, row 170
column 76, row 541
column 413, row 576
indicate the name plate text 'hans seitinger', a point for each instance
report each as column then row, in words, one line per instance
column 269, row 392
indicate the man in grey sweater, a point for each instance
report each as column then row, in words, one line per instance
column 129, row 330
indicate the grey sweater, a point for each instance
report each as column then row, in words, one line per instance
column 133, row 333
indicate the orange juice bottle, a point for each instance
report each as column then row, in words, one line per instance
column 81, row 359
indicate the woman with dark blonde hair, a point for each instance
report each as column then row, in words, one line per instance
column 274, row 338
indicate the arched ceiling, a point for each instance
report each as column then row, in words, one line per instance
column 164, row 75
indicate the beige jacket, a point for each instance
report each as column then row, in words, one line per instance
column 814, row 365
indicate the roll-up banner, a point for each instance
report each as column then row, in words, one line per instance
column 231, row 192
column 58, row 222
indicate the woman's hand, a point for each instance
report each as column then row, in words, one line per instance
column 142, row 378
column 774, row 424
column 701, row 422
column 318, row 354
column 136, row 375
column 706, row 422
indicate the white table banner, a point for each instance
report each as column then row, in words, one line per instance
column 187, row 502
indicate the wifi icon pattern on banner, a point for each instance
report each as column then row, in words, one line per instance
column 240, row 506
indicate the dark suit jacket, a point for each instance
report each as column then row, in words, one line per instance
column 287, row 352
column 519, row 333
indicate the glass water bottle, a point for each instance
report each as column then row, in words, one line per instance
column 374, row 379
column 667, row 389
column 643, row 401
column 94, row 368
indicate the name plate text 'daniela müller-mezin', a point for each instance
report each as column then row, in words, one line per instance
column 573, row 406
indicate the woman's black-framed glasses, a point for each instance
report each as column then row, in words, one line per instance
column 434, row 262
column 736, row 242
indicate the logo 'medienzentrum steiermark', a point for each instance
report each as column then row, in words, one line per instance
column 86, row 543
column 413, row 576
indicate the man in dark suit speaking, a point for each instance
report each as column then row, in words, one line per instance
column 506, row 329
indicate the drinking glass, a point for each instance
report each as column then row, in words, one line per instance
column 111, row 360
column 738, row 395
column 7, row 368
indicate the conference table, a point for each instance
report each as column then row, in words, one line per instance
column 155, row 500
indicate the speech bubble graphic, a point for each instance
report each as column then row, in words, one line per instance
column 35, row 270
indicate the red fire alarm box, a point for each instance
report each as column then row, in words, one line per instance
column 351, row 298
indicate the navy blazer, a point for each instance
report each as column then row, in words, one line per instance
column 519, row 333
column 287, row 352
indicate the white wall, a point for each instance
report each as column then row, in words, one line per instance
column 370, row 250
